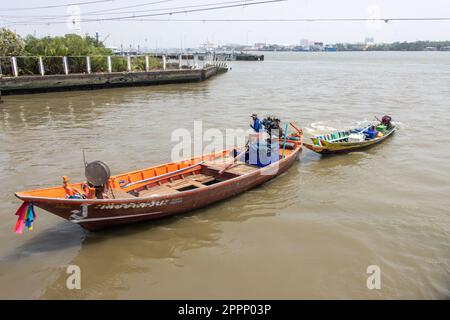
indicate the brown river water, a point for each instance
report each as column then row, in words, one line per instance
column 310, row 233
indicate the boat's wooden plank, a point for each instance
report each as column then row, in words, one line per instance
column 202, row 178
column 178, row 183
column 198, row 184
column 181, row 184
column 239, row 168
column 157, row 190
column 196, row 180
column 242, row 168
column 119, row 194
column 206, row 179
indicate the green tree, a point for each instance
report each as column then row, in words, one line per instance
column 10, row 43
column 72, row 45
column 52, row 49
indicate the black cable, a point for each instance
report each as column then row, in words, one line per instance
column 303, row 19
column 55, row 6
column 134, row 17
column 185, row 11
column 265, row 20
column 129, row 7
column 242, row 2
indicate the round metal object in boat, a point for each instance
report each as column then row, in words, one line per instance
column 97, row 173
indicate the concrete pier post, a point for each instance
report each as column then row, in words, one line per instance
column 65, row 65
column 147, row 64
column 41, row 67
column 164, row 62
column 15, row 70
column 88, row 65
column 109, row 64
column 128, row 63
column 179, row 62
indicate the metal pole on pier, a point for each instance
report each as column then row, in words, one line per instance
column 129, row 63
column 109, row 64
column 65, row 65
column 88, row 64
column 179, row 62
column 15, row 70
column 41, row 67
column 147, row 64
column 164, row 62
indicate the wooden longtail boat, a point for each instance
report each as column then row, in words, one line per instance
column 338, row 142
column 160, row 191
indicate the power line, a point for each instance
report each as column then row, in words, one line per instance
column 303, row 20
column 92, row 13
column 241, row 2
column 135, row 17
column 129, row 7
column 55, row 6
column 186, row 11
column 386, row 20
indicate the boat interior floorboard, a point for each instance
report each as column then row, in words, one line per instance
column 185, row 183
column 239, row 168
column 157, row 190
column 207, row 176
column 119, row 194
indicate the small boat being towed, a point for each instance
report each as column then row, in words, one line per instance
column 352, row 140
column 154, row 192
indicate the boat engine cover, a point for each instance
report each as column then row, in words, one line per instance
column 97, row 173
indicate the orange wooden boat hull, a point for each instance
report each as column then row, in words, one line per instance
column 95, row 214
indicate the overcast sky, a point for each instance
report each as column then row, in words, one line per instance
column 191, row 34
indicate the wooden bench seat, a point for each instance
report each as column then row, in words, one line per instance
column 239, row 168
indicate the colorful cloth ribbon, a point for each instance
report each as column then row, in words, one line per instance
column 27, row 216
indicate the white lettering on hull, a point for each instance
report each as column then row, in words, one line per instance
column 142, row 205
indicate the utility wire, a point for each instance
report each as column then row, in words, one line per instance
column 386, row 20
column 241, row 2
column 95, row 13
column 186, row 11
column 56, row 6
column 131, row 6
column 303, row 19
column 135, row 17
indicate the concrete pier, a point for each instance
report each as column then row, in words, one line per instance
column 86, row 81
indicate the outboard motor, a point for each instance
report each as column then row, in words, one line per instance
column 97, row 175
column 386, row 120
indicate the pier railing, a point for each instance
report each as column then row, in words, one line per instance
column 16, row 66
